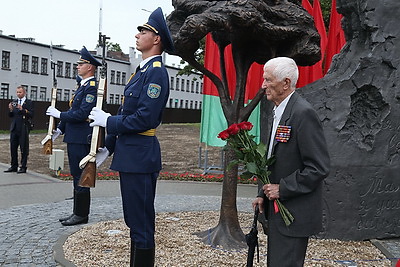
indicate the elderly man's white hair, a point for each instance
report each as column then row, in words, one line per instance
column 282, row 68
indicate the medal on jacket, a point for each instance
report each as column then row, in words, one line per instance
column 283, row 133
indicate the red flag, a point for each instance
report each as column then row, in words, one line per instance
column 316, row 72
column 336, row 38
column 212, row 62
column 304, row 72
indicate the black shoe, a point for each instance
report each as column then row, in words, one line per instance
column 74, row 220
column 65, row 218
column 21, row 170
column 11, row 169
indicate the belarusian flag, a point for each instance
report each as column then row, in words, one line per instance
column 213, row 120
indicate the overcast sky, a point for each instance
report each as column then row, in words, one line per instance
column 75, row 23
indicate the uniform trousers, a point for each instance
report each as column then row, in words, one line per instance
column 138, row 191
column 285, row 251
column 76, row 152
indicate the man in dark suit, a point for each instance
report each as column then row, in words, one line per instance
column 21, row 112
column 74, row 124
column 131, row 137
column 302, row 163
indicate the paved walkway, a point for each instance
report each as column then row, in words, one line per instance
column 30, row 205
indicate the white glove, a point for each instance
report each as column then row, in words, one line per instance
column 99, row 117
column 52, row 111
column 101, row 156
column 56, row 133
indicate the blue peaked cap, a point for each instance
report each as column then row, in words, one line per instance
column 158, row 25
column 86, row 57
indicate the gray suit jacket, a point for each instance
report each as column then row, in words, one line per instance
column 300, row 167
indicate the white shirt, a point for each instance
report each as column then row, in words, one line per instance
column 278, row 112
column 21, row 101
column 85, row 80
column 147, row 60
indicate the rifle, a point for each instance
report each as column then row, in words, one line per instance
column 252, row 240
column 88, row 163
column 47, row 142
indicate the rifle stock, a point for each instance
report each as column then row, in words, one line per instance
column 88, row 163
column 47, row 142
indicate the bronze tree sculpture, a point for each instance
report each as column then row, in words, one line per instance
column 257, row 30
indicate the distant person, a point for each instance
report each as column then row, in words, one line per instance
column 74, row 124
column 21, row 113
column 301, row 164
column 131, row 137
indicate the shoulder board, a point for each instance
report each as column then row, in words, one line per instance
column 156, row 64
column 92, row 83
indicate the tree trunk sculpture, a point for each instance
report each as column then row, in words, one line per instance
column 257, row 30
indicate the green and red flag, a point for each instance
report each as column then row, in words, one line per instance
column 213, row 120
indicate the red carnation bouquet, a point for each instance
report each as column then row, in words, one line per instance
column 253, row 156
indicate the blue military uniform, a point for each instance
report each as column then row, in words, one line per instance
column 77, row 134
column 131, row 137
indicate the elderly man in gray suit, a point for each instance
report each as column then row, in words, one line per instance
column 302, row 162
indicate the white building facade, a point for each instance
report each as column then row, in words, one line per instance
column 27, row 63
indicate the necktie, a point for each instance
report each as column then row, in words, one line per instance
column 272, row 135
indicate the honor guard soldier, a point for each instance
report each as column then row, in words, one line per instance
column 74, row 124
column 131, row 137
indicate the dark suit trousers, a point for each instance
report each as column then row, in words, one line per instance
column 19, row 139
column 285, row 251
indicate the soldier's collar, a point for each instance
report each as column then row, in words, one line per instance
column 144, row 62
column 83, row 82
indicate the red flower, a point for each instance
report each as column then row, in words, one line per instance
column 223, row 135
column 233, row 129
column 245, row 125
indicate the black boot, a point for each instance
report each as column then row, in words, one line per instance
column 73, row 209
column 81, row 214
column 142, row 257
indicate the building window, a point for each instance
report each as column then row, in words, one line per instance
column 191, row 104
column 25, row 63
column 186, row 104
column 170, row 104
column 177, row 84
column 197, row 87
column 123, row 82
column 181, row 104
column 5, row 60
column 192, row 87
column 60, row 68
column 118, row 77
column 67, row 70
column 42, row 95
column 35, row 65
column 116, row 99
column 200, row 105
column 59, row 92
column 195, row 104
column 43, row 66
column 183, row 85
column 4, row 90
column 33, row 95
column 66, row 94
column 112, row 77
column 172, row 83
column 187, row 85
column 176, row 103
column 74, row 71
column 111, row 100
